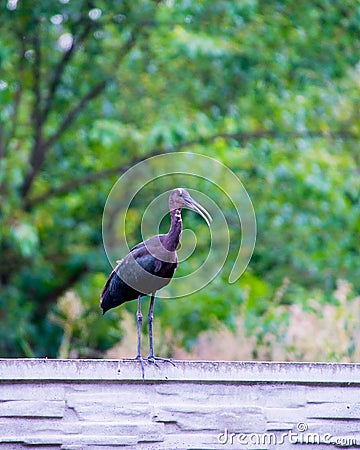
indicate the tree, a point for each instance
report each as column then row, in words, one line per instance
column 87, row 90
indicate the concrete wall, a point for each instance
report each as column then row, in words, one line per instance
column 94, row 404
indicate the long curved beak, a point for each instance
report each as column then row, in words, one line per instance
column 195, row 206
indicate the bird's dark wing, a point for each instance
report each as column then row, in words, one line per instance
column 115, row 291
column 138, row 246
column 145, row 254
column 134, row 275
column 126, row 281
column 107, row 285
column 146, row 260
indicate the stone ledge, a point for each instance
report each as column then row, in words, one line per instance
column 212, row 371
column 88, row 404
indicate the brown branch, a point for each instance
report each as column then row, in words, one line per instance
column 91, row 177
column 17, row 101
column 59, row 290
column 277, row 134
column 59, row 69
column 38, row 149
column 240, row 136
column 19, row 87
column 71, row 116
column 2, row 155
column 2, row 142
column 98, row 88
column 39, row 116
column 36, row 114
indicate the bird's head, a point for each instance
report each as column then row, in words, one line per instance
column 180, row 198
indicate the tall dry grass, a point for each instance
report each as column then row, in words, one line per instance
column 314, row 331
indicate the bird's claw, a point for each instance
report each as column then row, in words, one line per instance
column 152, row 359
column 138, row 358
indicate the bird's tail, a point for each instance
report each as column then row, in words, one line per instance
column 106, row 300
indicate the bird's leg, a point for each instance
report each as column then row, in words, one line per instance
column 139, row 326
column 150, row 319
column 152, row 358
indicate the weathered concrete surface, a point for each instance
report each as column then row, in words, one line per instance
column 113, row 370
column 94, row 404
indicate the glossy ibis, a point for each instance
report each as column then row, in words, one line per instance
column 149, row 266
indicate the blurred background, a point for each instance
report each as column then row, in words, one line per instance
column 271, row 89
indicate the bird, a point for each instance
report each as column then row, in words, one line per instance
column 148, row 267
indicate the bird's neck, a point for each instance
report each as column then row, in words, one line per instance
column 173, row 236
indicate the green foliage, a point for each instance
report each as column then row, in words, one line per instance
column 87, row 89
column 326, row 328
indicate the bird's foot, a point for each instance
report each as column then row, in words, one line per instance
column 152, row 359
column 138, row 358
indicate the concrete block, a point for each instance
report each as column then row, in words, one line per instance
column 333, row 426
column 109, row 411
column 332, row 394
column 23, row 426
column 214, row 371
column 119, row 396
column 81, row 440
column 292, row 415
column 213, row 418
column 29, row 391
column 32, row 408
column 94, row 404
column 286, row 395
column 145, row 431
column 334, row 411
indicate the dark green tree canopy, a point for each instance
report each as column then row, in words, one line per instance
column 89, row 88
